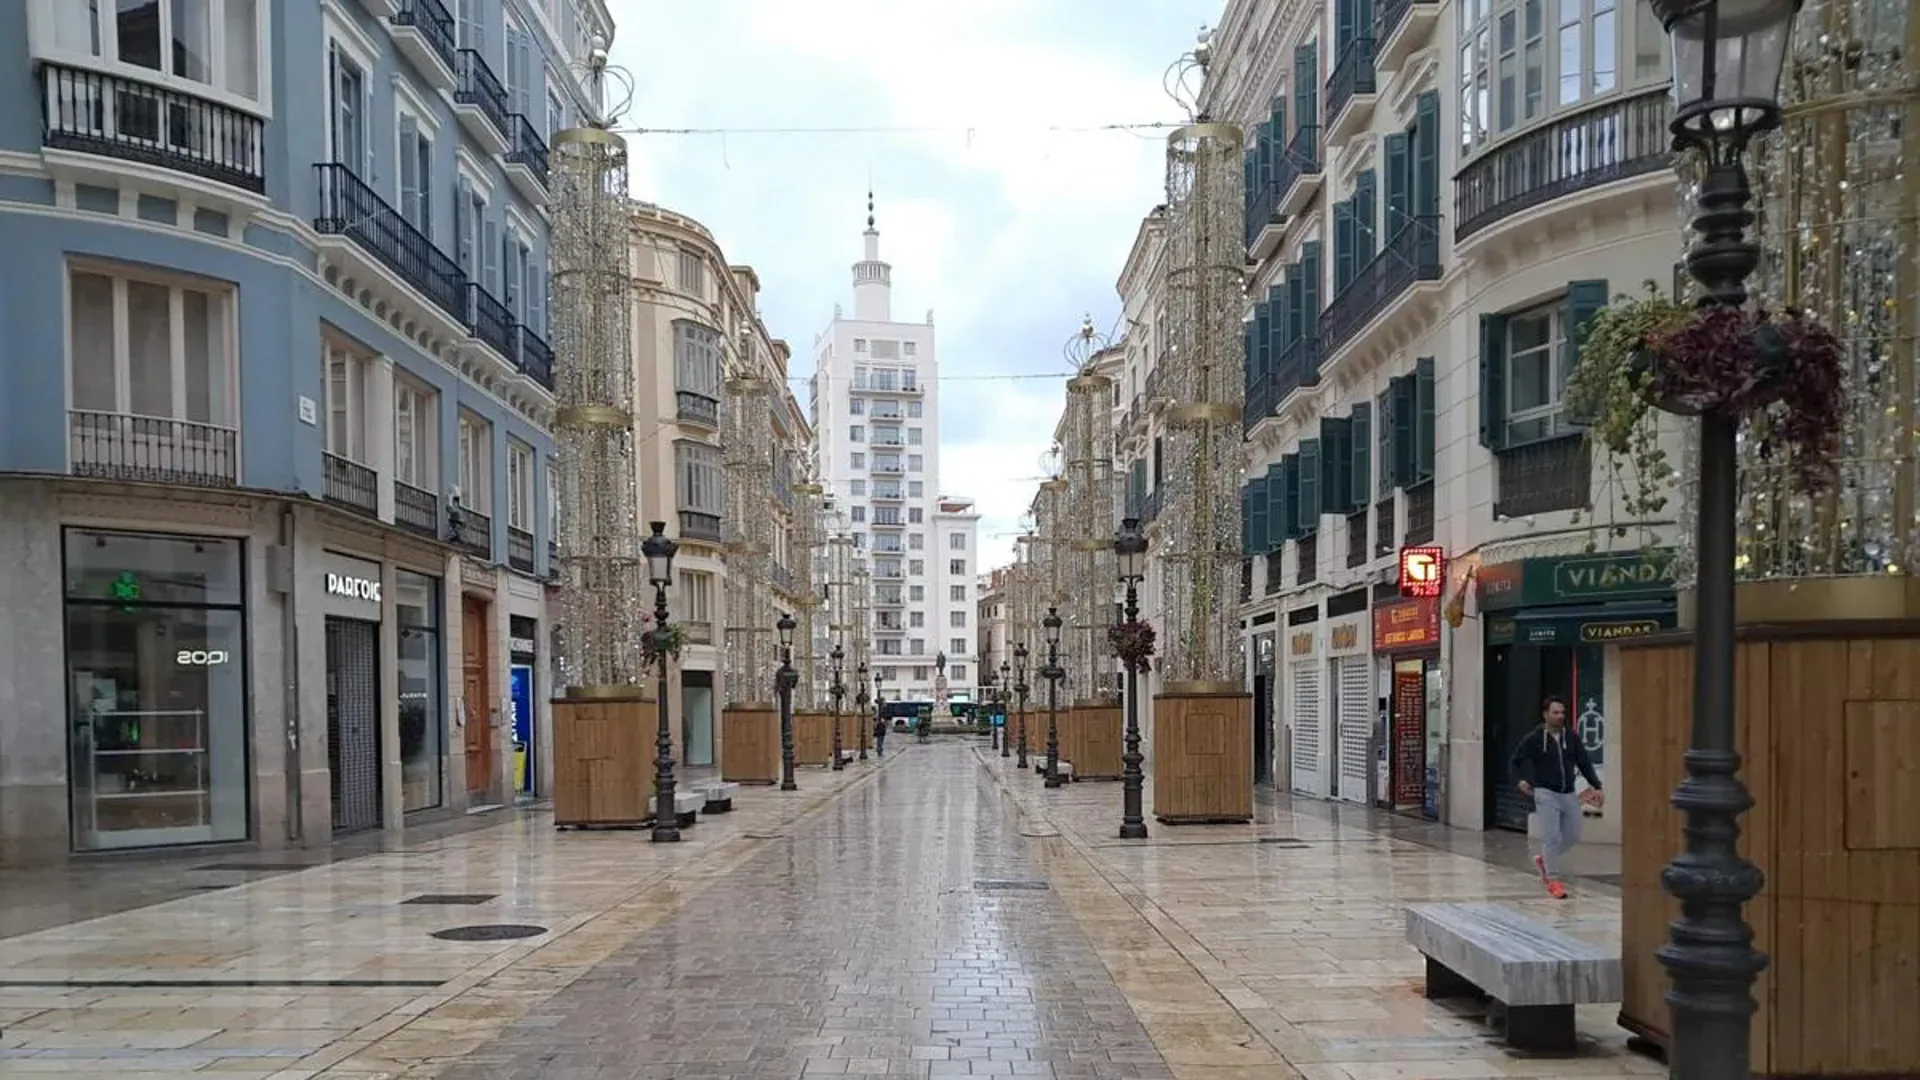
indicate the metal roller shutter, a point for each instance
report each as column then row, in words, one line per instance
column 1355, row 725
column 1309, row 768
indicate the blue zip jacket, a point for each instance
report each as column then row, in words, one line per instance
column 1539, row 762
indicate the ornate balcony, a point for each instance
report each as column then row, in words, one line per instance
column 151, row 450
column 473, row 533
column 490, row 321
column 1400, row 29
column 424, row 32
column 1264, row 219
column 1612, row 141
column 536, row 357
column 692, row 408
column 1259, row 404
column 1412, row 255
column 108, row 116
column 1297, row 368
column 416, row 510
column 350, row 484
column 1298, row 176
column 1350, row 91
column 527, row 160
column 481, row 102
column 1420, row 514
column 695, row 525
column 520, row 549
column 349, row 208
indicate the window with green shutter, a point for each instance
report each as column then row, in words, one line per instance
column 1383, row 441
column 1493, row 382
column 1309, row 507
column 1423, row 419
column 1290, row 493
column 1584, row 301
column 1277, row 126
column 1336, row 464
column 1345, row 24
column 1526, row 358
column 1426, row 156
column 1405, row 417
column 1306, row 84
column 1259, row 529
column 1342, row 246
column 1399, row 184
column 1310, row 270
column 1360, row 438
column 1246, row 518
column 1365, row 220
column 1279, row 511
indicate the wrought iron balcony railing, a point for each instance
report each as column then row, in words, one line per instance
column 477, row 85
column 1352, row 76
column 151, row 450
column 1611, row 141
column 349, row 208
column 1412, row 254
column 527, row 148
column 1260, row 402
column 1298, row 366
column 431, row 19
column 536, row 357
column 695, row 525
column 692, row 408
column 416, row 510
column 114, row 117
column 1261, row 209
column 474, row 533
column 1388, row 15
column 1420, row 514
column 520, row 549
column 349, row 484
column 490, row 320
column 1301, row 159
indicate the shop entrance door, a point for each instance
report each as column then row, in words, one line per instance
column 477, row 694
column 1353, row 712
column 1309, row 746
column 353, row 723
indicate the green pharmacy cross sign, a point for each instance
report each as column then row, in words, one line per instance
column 126, row 588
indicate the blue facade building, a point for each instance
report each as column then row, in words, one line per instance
column 274, row 346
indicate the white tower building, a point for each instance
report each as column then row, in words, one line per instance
column 876, row 417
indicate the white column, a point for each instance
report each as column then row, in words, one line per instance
column 380, row 434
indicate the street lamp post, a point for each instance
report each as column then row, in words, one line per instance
column 785, row 680
column 1006, row 702
column 1020, row 693
column 659, row 550
column 1052, row 673
column 860, row 705
column 1130, row 555
column 1727, row 59
column 836, row 690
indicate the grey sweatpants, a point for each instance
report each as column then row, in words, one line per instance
column 1559, row 826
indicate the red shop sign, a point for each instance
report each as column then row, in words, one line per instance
column 1409, row 624
column 1409, row 738
column 1423, row 571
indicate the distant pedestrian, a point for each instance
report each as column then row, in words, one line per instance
column 1545, row 766
column 879, row 736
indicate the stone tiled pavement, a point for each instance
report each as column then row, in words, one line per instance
column 840, row 931
column 891, row 936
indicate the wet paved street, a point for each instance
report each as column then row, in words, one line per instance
column 936, row 915
column 905, row 932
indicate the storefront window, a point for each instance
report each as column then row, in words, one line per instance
column 156, row 677
column 422, row 721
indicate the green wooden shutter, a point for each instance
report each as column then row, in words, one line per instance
column 1291, row 493
column 1336, row 464
column 1342, row 245
column 1309, row 486
column 1259, row 527
column 1366, row 220
column 1296, row 303
column 1279, row 512
column 1423, row 418
column 1405, row 416
column 1399, row 184
column 1361, row 484
column 1277, row 126
column 1306, row 85
column 1262, row 355
column 1383, row 443
column 1249, row 182
column 1310, row 290
column 1426, row 157
column 1343, row 25
column 1584, row 300
column 1493, row 381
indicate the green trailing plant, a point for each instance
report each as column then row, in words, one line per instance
column 1608, row 392
column 656, row 642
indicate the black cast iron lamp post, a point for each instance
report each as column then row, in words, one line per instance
column 1020, row 655
column 1727, row 58
column 1051, row 624
column 659, row 550
column 1006, row 702
column 787, row 679
column 1130, row 557
column 837, row 690
column 860, row 705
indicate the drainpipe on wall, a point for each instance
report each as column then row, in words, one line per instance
column 1444, row 767
column 290, row 675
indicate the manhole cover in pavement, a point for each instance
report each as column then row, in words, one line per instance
column 1010, row 886
column 450, row 899
column 490, row 932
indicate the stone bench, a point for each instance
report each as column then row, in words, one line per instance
column 687, row 804
column 719, row 796
column 1064, row 767
column 1534, row 973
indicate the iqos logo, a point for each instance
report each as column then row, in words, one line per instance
column 201, row 657
column 353, row 588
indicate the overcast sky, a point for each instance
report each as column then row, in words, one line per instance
column 1007, row 232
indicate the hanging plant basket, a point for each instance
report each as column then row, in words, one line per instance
column 1132, row 643
column 655, row 643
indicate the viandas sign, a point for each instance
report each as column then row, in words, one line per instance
column 1576, row 579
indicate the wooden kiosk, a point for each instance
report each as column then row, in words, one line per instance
column 812, row 738
column 750, row 744
column 603, row 741
column 1203, row 754
column 1090, row 738
column 1828, row 729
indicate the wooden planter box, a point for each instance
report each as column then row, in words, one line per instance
column 1203, row 758
column 603, row 761
column 812, row 738
column 1090, row 738
column 1828, row 729
column 750, row 745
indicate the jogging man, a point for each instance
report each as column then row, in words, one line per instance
column 1545, row 765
